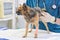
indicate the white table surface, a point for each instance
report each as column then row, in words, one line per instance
column 16, row 34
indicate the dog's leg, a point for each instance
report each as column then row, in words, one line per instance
column 26, row 32
column 31, row 28
column 36, row 23
column 36, row 32
column 46, row 26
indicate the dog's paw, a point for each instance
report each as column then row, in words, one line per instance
column 30, row 31
column 35, row 36
column 48, row 32
column 24, row 36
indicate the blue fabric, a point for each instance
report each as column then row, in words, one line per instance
column 53, row 12
column 49, row 9
column 31, row 3
column 59, row 9
column 3, row 28
column 3, row 39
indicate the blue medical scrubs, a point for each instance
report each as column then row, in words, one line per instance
column 50, row 10
column 59, row 9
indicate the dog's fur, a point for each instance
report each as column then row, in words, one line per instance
column 31, row 15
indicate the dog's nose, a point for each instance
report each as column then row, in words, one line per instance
column 17, row 12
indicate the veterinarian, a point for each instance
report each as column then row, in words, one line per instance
column 53, row 9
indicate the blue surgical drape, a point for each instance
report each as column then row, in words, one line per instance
column 50, row 10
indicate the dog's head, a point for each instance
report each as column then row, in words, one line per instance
column 22, row 9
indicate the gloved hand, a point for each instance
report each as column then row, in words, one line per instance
column 47, row 17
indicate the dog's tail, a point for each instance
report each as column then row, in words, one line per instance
column 37, row 9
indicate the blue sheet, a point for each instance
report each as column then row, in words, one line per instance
column 3, row 39
column 3, row 28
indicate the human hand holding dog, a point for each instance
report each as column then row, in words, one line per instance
column 48, row 18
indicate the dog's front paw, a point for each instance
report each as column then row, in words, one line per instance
column 30, row 31
column 24, row 36
column 35, row 36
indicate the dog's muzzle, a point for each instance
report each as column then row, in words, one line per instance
column 18, row 13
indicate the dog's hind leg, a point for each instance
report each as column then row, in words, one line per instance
column 46, row 26
column 36, row 32
column 26, row 32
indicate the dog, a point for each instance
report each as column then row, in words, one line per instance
column 31, row 15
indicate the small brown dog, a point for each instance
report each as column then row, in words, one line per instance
column 31, row 15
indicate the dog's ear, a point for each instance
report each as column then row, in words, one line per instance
column 24, row 7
